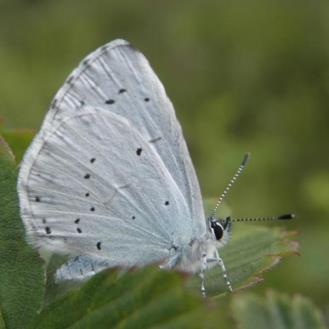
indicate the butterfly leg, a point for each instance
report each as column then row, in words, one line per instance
column 221, row 264
column 204, row 266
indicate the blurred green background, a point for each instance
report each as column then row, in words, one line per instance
column 243, row 76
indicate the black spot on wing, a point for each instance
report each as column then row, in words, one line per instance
column 110, row 101
column 122, row 90
column 87, row 176
column 99, row 245
column 48, row 230
column 139, row 151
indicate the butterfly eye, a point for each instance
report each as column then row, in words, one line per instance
column 217, row 229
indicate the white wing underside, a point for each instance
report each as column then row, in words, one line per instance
column 109, row 175
column 80, row 268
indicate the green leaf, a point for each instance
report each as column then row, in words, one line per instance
column 19, row 140
column 276, row 311
column 2, row 322
column 251, row 251
column 21, row 272
column 144, row 298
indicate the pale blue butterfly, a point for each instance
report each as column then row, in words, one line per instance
column 109, row 179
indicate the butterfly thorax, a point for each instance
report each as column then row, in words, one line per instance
column 188, row 258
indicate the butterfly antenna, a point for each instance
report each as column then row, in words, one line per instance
column 230, row 184
column 253, row 219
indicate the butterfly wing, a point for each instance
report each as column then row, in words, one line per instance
column 118, row 78
column 111, row 152
column 80, row 268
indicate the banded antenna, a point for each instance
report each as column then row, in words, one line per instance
column 253, row 219
column 230, row 184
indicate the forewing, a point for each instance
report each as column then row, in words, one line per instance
column 119, row 79
column 98, row 188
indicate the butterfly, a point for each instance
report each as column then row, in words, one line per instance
column 109, row 180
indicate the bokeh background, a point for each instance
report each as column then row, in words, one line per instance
column 243, row 76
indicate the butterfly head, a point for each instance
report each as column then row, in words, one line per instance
column 220, row 229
